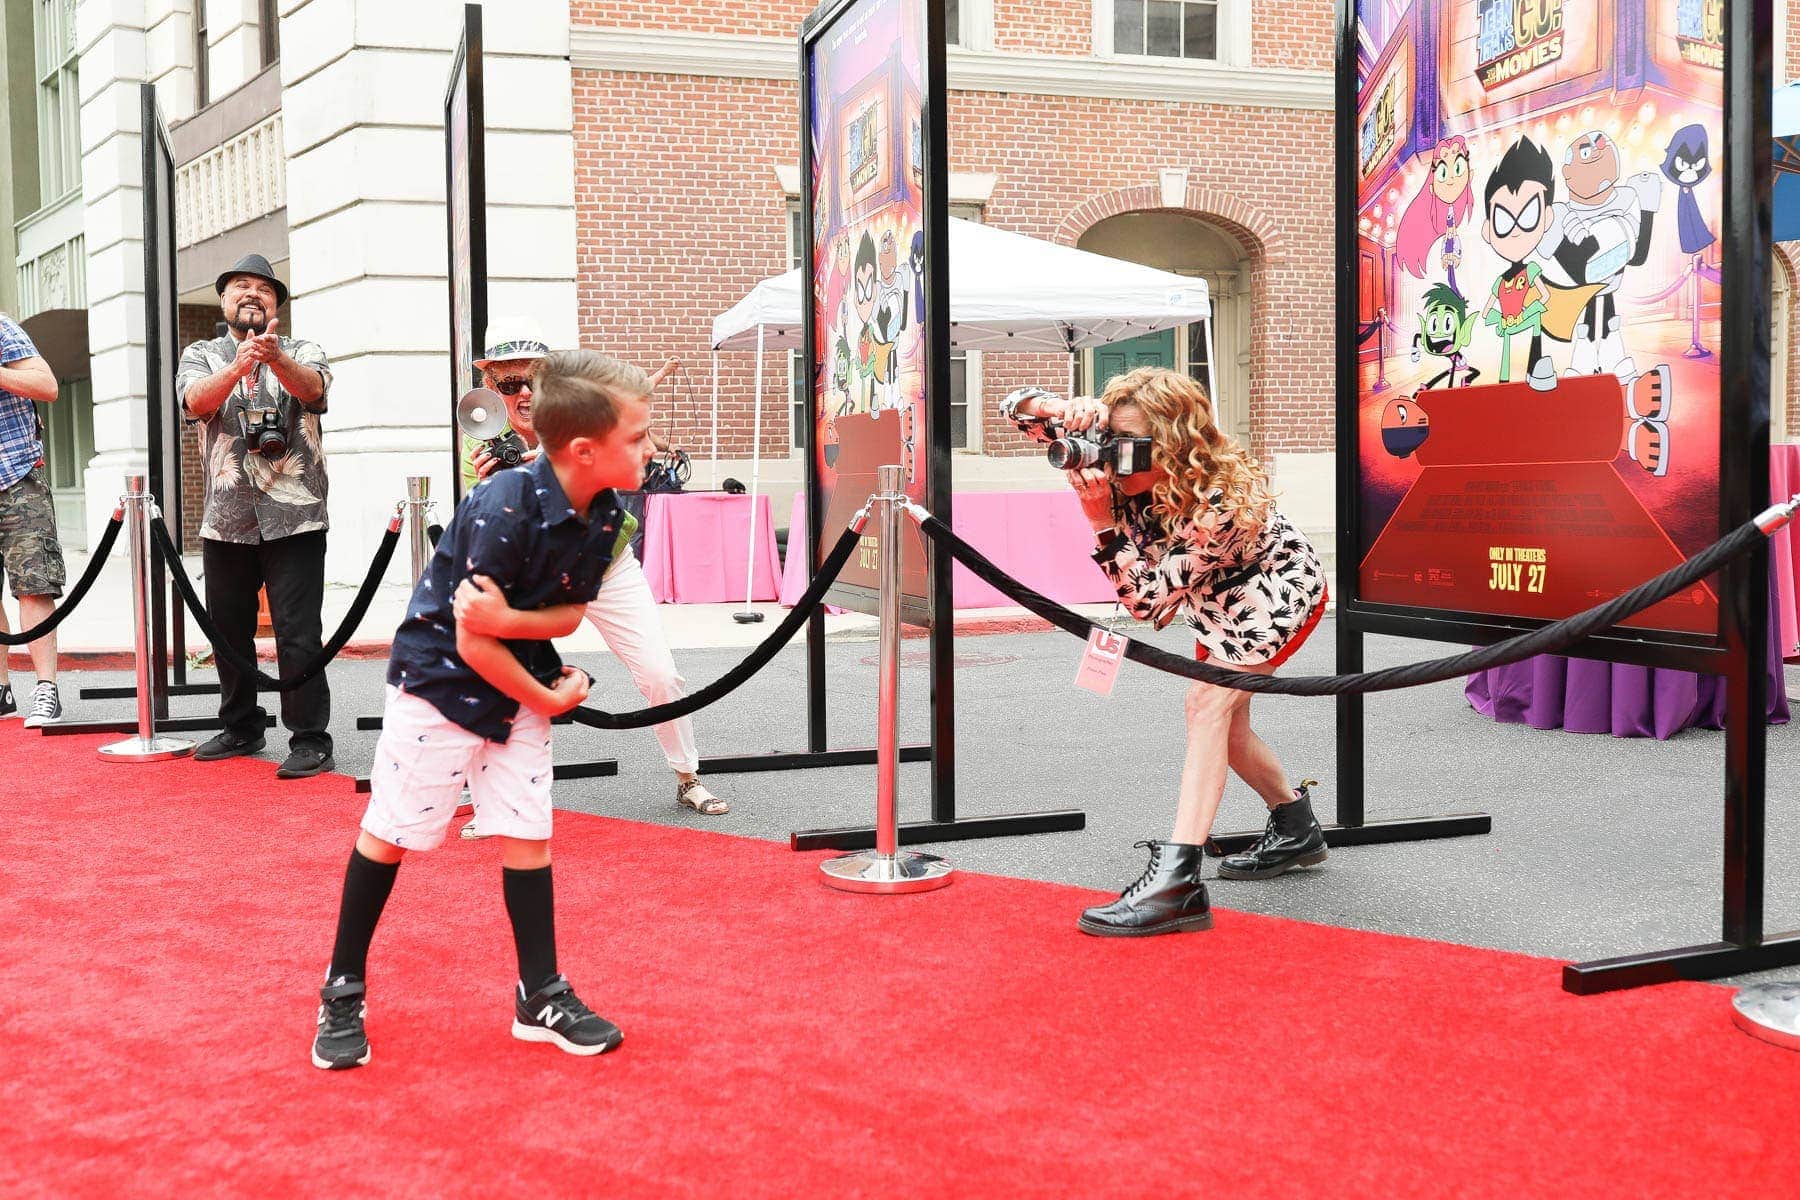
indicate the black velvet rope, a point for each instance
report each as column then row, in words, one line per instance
column 733, row 679
column 266, row 682
column 96, row 561
column 1547, row 640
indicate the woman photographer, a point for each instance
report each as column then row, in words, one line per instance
column 1196, row 535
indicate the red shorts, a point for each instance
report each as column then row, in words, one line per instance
column 1201, row 653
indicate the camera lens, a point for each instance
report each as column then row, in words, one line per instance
column 1069, row 454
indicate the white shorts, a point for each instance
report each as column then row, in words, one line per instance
column 424, row 760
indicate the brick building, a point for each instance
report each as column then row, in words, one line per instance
column 643, row 175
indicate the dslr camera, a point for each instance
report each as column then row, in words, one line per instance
column 1094, row 448
column 264, row 431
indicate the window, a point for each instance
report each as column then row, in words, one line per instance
column 1166, row 28
column 953, row 23
column 202, row 79
column 959, row 359
column 268, row 28
column 59, row 100
column 68, row 434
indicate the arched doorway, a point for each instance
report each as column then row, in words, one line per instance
column 1185, row 244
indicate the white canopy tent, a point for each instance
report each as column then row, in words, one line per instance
column 1007, row 292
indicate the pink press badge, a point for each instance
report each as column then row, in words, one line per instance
column 1099, row 669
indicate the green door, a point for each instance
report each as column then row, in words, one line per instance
column 1150, row 350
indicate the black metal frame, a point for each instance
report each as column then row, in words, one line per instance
column 162, row 354
column 1740, row 651
column 466, row 69
column 944, row 824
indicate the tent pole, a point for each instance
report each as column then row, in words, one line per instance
column 1074, row 372
column 715, row 421
column 1212, row 390
column 749, row 614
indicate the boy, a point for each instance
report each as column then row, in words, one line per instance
column 473, row 682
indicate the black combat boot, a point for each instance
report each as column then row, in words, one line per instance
column 1291, row 839
column 1167, row 898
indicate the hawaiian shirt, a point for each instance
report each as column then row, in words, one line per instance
column 518, row 529
column 20, row 448
column 251, row 498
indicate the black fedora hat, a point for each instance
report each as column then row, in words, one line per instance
column 257, row 265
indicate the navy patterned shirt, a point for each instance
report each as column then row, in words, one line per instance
column 519, row 530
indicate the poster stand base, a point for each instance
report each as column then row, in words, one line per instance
column 913, row 833
column 803, row 760
column 1711, row 961
column 163, row 725
column 1373, row 833
column 174, row 689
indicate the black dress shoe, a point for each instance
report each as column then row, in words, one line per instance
column 1291, row 839
column 228, row 743
column 1167, row 898
column 303, row 761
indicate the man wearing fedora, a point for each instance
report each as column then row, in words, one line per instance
column 257, row 397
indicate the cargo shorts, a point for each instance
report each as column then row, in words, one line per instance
column 29, row 552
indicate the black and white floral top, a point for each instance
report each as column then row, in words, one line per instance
column 1246, row 593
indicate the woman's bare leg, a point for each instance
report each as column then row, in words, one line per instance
column 1255, row 763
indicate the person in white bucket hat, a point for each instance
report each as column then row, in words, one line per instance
column 625, row 610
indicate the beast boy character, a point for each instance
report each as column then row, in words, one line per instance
column 1601, row 230
column 1445, row 327
column 1517, row 201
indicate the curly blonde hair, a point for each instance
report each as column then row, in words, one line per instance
column 1197, row 457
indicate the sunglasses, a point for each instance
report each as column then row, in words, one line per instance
column 511, row 387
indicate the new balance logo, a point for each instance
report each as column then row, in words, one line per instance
column 549, row 1017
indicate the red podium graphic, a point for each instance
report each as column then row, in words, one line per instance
column 1520, row 510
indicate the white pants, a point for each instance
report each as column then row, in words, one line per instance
column 625, row 614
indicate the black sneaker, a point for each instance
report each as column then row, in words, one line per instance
column 305, row 761
column 555, row 1014
column 341, row 1043
column 228, row 744
column 46, row 705
column 8, row 706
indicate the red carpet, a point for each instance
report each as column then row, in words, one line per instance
column 163, row 930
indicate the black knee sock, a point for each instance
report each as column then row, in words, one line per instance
column 366, row 887
column 530, row 903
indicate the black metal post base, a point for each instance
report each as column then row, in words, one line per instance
column 598, row 769
column 130, row 693
column 167, row 725
column 1373, row 833
column 802, row 760
column 1711, row 961
column 913, row 833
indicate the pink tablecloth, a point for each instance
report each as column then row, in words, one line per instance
column 1784, row 481
column 695, row 545
column 1039, row 538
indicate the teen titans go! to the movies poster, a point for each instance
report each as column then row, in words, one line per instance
column 1538, row 297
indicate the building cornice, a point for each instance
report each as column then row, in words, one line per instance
column 731, row 56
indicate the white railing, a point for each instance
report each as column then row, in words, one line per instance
column 231, row 184
column 56, row 278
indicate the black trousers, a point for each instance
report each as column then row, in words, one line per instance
column 293, row 569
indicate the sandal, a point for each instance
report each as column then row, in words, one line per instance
column 693, row 794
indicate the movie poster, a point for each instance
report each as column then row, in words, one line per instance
column 870, row 335
column 1539, row 197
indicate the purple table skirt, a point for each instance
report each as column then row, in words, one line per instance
column 1582, row 696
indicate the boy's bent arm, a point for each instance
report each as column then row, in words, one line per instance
column 540, row 624
column 491, row 660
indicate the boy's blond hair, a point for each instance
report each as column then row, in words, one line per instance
column 577, row 394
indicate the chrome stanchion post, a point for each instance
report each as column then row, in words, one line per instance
column 418, row 504
column 148, row 745
column 886, row 868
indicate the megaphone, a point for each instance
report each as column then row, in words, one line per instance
column 481, row 414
